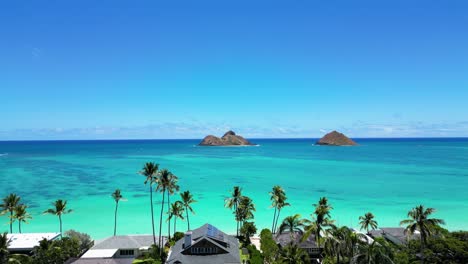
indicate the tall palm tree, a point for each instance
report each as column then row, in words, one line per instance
column 117, row 195
column 21, row 215
column 233, row 203
column 162, row 181
column 172, row 188
column 176, row 211
column 150, row 170
column 419, row 220
column 320, row 219
column 245, row 210
column 280, row 204
column 278, row 199
column 293, row 224
column 367, row 221
column 292, row 254
column 9, row 204
column 187, row 200
column 60, row 208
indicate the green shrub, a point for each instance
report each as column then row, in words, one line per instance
column 255, row 255
column 268, row 246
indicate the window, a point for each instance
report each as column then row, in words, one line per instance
column 127, row 252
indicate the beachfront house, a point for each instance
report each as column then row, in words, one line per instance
column 205, row 245
column 117, row 249
column 395, row 235
column 24, row 243
column 309, row 245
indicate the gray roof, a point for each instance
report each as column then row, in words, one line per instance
column 126, row 242
column 395, row 235
column 199, row 234
column 103, row 261
column 284, row 239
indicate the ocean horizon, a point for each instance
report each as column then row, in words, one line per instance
column 387, row 176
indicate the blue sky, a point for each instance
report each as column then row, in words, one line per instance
column 183, row 69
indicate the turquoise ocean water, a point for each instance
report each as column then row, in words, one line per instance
column 385, row 176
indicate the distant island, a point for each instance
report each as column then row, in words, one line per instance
column 229, row 139
column 335, row 138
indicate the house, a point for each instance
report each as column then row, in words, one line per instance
column 25, row 243
column 309, row 245
column 205, row 245
column 395, row 235
column 117, row 250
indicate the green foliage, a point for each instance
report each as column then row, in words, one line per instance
column 441, row 249
column 83, row 239
column 247, row 230
column 255, row 255
column 461, row 235
column 55, row 252
column 20, row 259
column 154, row 254
column 4, row 243
column 146, row 261
column 268, row 246
column 293, row 254
column 177, row 236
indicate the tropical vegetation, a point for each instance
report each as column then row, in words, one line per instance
column 117, row 196
column 59, row 209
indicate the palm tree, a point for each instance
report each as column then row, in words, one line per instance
column 21, row 215
column 233, row 202
column 8, row 205
column 117, row 195
column 293, row 224
column 372, row 253
column 187, row 200
column 419, row 220
column 368, row 221
column 60, row 208
column 150, row 169
column 172, row 187
column 280, row 204
column 292, row 254
column 341, row 242
column 320, row 220
column 162, row 182
column 4, row 243
column 278, row 198
column 245, row 210
column 176, row 211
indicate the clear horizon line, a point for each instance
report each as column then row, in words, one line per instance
column 251, row 138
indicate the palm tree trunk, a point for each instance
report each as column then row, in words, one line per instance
column 115, row 219
column 152, row 215
column 188, row 221
column 168, row 211
column 237, row 222
column 273, row 224
column 160, row 221
column 277, row 218
column 11, row 222
column 422, row 248
column 175, row 219
column 19, row 226
column 60, row 220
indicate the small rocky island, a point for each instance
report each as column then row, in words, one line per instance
column 229, row 139
column 335, row 138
